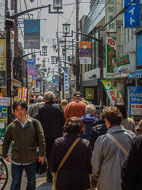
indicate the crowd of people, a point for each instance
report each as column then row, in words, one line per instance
column 83, row 151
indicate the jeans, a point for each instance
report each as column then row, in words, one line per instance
column 17, row 171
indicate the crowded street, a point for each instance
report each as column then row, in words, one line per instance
column 70, row 94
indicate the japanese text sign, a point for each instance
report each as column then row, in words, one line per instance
column 132, row 14
column 135, row 100
column 66, row 82
column 110, row 13
column 110, row 54
column 31, row 67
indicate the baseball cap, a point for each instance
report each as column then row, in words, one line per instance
column 77, row 94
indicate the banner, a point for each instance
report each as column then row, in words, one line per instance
column 110, row 13
column 132, row 14
column 32, row 34
column 85, row 53
column 66, row 83
column 110, row 54
column 109, row 90
column 31, row 64
column 2, row 61
column 24, row 94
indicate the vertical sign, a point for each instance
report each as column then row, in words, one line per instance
column 132, row 14
column 110, row 13
column 110, row 54
column 2, row 61
column 66, row 83
column 32, row 34
column 31, row 67
column 109, row 90
column 85, row 53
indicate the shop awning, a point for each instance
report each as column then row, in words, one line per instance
column 15, row 82
column 135, row 74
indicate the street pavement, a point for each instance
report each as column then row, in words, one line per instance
column 41, row 183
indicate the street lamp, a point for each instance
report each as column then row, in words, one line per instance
column 57, row 4
column 44, row 50
column 66, row 28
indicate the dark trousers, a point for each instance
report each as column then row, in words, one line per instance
column 49, row 144
column 17, row 171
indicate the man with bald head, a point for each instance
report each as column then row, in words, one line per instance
column 52, row 120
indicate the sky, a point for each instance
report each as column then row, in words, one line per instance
column 53, row 21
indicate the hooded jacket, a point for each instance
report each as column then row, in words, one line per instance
column 88, row 120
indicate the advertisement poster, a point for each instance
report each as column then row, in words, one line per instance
column 118, row 93
column 3, row 125
column 135, row 101
column 110, row 54
column 4, row 101
column 32, row 34
column 31, row 63
column 90, row 93
column 2, row 61
column 109, row 90
column 85, row 53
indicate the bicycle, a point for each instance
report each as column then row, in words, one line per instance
column 3, row 173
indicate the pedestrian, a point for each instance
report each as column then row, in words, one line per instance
column 76, row 108
column 89, row 119
column 132, row 168
column 64, row 102
column 139, row 128
column 127, row 122
column 99, row 128
column 33, row 112
column 74, row 173
column 31, row 102
column 24, row 153
column 110, row 151
column 52, row 120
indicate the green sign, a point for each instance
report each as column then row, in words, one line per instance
column 110, row 54
column 124, row 60
column 2, row 77
column 3, row 124
column 89, row 93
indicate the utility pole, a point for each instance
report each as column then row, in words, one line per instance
column 15, row 41
column 77, row 47
column 8, row 58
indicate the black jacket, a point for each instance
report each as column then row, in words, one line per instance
column 132, row 168
column 97, row 130
column 74, row 174
column 52, row 120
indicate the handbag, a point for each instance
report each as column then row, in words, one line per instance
column 41, row 168
column 62, row 162
column 117, row 143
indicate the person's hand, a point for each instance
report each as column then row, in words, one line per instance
column 8, row 159
column 41, row 159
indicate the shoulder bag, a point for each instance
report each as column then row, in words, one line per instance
column 117, row 143
column 62, row 162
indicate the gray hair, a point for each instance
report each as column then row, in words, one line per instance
column 90, row 108
column 40, row 99
column 48, row 95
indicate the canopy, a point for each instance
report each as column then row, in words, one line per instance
column 135, row 74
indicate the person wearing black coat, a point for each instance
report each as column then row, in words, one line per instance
column 132, row 169
column 74, row 173
column 98, row 129
column 52, row 120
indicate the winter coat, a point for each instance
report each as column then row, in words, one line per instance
column 107, row 158
column 52, row 120
column 88, row 120
column 74, row 109
column 74, row 174
column 25, row 142
column 132, row 168
column 97, row 130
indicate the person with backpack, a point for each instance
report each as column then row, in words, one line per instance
column 24, row 152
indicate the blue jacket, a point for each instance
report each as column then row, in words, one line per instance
column 88, row 120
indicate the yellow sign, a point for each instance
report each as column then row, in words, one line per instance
column 89, row 93
column 2, row 54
